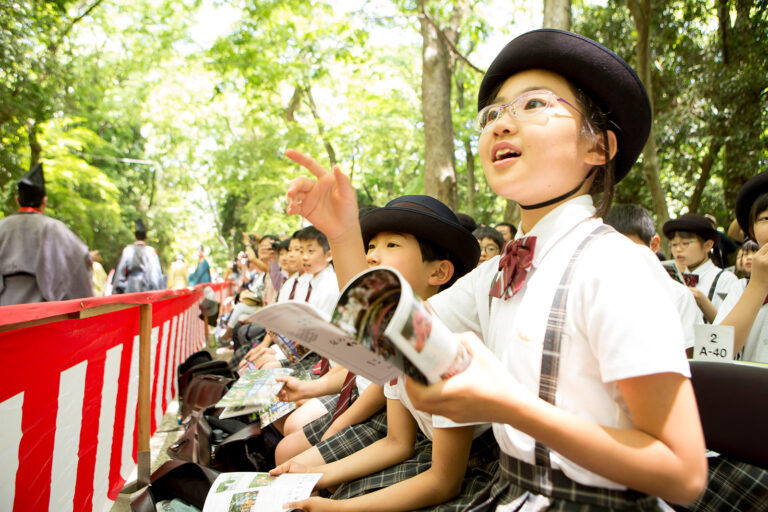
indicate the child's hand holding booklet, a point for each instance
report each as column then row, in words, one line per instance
column 379, row 329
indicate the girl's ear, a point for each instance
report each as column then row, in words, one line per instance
column 442, row 271
column 328, row 255
column 596, row 154
column 708, row 245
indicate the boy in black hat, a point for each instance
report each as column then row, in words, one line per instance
column 139, row 267
column 40, row 258
column 592, row 404
column 424, row 240
column 691, row 240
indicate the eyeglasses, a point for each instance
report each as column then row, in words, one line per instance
column 682, row 245
column 525, row 106
column 489, row 249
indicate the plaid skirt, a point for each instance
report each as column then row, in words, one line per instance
column 732, row 486
column 314, row 430
column 518, row 486
column 303, row 365
column 477, row 479
column 353, row 438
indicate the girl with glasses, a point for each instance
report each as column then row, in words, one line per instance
column 590, row 400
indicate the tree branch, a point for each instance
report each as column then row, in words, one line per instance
column 450, row 44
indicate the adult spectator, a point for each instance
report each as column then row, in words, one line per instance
column 40, row 258
column 202, row 273
column 177, row 274
column 139, row 268
column 507, row 230
column 99, row 274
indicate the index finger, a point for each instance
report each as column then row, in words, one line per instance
column 308, row 162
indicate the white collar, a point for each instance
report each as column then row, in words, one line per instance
column 559, row 222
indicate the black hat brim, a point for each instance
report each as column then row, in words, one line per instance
column 600, row 73
column 427, row 226
column 748, row 194
column 707, row 232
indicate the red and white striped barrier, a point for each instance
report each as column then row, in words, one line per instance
column 69, row 394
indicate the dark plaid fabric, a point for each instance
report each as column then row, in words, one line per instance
column 477, row 479
column 304, row 365
column 354, row 438
column 733, row 486
column 420, row 461
column 314, row 430
column 550, row 356
column 521, row 487
column 481, row 467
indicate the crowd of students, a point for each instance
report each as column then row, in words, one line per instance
column 578, row 395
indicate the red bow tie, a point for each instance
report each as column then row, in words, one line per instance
column 691, row 279
column 513, row 265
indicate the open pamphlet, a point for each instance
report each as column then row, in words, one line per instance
column 379, row 329
column 258, row 492
column 256, row 392
column 671, row 267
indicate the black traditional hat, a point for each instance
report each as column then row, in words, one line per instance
column 32, row 186
column 748, row 194
column 604, row 76
column 693, row 223
column 139, row 227
column 429, row 219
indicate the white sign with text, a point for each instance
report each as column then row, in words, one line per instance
column 713, row 343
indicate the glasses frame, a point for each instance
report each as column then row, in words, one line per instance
column 510, row 107
column 681, row 245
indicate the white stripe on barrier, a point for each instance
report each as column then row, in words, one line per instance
column 155, row 337
column 10, row 419
column 160, row 390
column 130, row 412
column 171, row 369
column 106, row 427
column 66, row 445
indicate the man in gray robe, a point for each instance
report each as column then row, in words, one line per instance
column 139, row 268
column 40, row 258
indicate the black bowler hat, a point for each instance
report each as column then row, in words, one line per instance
column 139, row 227
column 693, row 223
column 429, row 219
column 32, row 186
column 604, row 76
column 748, row 194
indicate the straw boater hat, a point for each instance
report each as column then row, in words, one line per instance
column 429, row 219
column 693, row 223
column 604, row 76
column 748, row 194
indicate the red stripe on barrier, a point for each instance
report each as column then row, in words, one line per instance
column 94, row 379
column 116, row 481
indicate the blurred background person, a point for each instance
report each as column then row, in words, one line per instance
column 177, row 274
column 40, row 258
column 99, row 274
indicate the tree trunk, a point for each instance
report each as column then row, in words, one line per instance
column 34, row 145
column 641, row 13
column 557, row 14
column 439, row 165
column 706, row 171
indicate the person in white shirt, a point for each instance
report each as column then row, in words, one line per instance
column 691, row 240
column 635, row 223
column 587, row 385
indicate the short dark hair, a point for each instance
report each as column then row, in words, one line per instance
column 140, row 235
column 430, row 251
column 312, row 233
column 760, row 205
column 492, row 233
column 631, row 219
column 512, row 229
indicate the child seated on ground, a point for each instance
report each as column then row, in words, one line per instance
column 422, row 459
column 691, row 240
column 584, row 375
